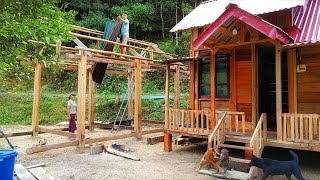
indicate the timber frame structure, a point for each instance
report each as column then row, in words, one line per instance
column 252, row 79
column 143, row 56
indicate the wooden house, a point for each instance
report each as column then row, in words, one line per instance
column 254, row 75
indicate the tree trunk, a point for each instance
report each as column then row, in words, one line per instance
column 162, row 21
column 182, row 8
column 135, row 32
column 177, row 22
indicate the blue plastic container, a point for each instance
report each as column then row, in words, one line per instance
column 7, row 161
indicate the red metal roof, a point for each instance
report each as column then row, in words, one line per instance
column 207, row 12
column 256, row 22
column 307, row 22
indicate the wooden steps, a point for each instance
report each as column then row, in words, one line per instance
column 239, row 160
column 229, row 146
column 240, row 139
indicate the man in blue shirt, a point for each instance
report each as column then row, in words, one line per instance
column 124, row 31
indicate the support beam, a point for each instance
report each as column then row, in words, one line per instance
column 36, row 99
column 196, row 85
column 233, row 84
column 255, row 84
column 278, row 93
column 130, row 86
column 167, row 100
column 57, row 132
column 292, row 80
column 177, row 87
column 213, row 87
column 138, row 99
column 191, row 85
column 91, row 103
column 81, row 109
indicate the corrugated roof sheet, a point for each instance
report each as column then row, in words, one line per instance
column 307, row 22
column 207, row 12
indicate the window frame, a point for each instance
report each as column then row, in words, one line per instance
column 201, row 85
column 225, row 58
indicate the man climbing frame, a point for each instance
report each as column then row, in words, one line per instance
column 124, row 31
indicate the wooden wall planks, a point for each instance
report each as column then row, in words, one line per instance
column 308, row 83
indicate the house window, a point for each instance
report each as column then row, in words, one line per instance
column 205, row 77
column 222, row 76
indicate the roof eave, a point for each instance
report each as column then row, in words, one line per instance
column 254, row 21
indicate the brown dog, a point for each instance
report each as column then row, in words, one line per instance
column 210, row 158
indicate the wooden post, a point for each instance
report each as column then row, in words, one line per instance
column 213, row 87
column 167, row 100
column 279, row 93
column 265, row 128
column 193, row 37
column 177, row 87
column 36, row 99
column 91, row 103
column 167, row 142
column 130, row 103
column 292, row 80
column 255, row 84
column 137, row 100
column 196, row 85
column 233, row 85
column 191, row 88
column 81, row 109
column 248, row 153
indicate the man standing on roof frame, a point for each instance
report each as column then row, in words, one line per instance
column 124, row 31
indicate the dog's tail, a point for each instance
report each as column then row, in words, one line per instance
column 295, row 156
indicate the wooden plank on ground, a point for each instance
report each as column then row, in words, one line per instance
column 228, row 175
column 23, row 173
column 155, row 140
column 41, row 174
column 37, row 149
column 122, row 154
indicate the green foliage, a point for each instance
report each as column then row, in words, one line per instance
column 90, row 13
column 182, row 49
column 22, row 20
column 139, row 15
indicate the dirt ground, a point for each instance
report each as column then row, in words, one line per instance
column 181, row 163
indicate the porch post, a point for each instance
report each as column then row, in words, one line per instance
column 36, row 99
column 213, row 87
column 278, row 93
column 167, row 136
column 255, row 84
column 177, row 87
column 81, row 109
